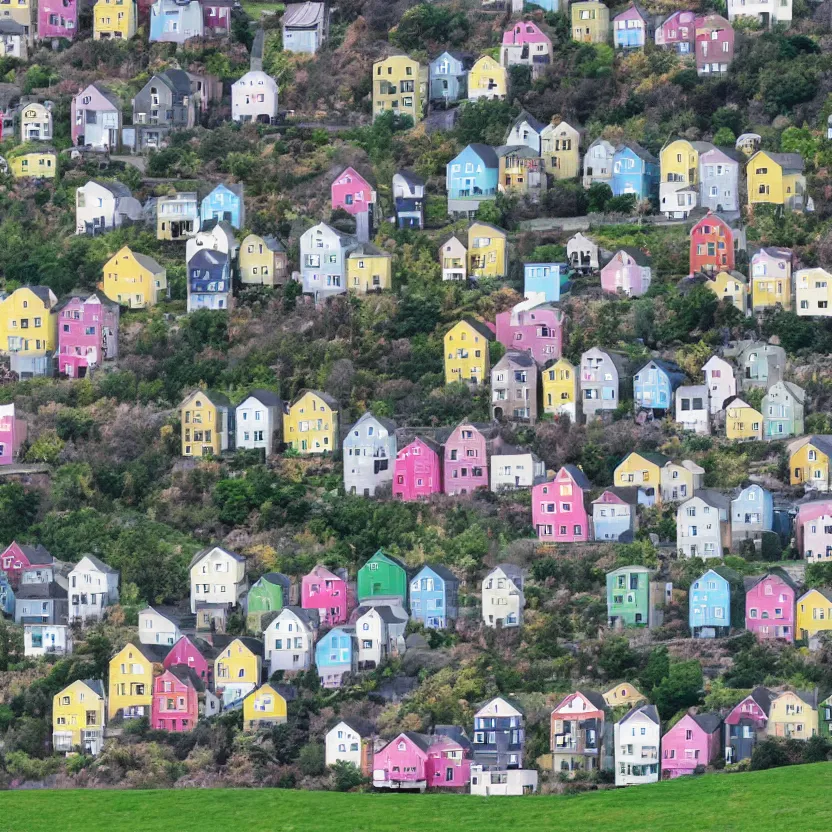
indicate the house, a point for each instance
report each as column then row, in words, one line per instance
column 543, row 279
column 642, row 469
column 632, row 28
column 677, row 32
column 254, row 98
column 694, row 742
column 175, row 21
column 352, row 193
column 454, row 259
column 487, row 250
column 623, row 693
column 560, row 147
column 380, row 633
column 216, row 17
column 350, row 741
column 525, row 131
column 400, row 86
column 258, row 419
column 514, row 386
column 559, row 507
column 92, row 586
column 368, row 449
column 448, row 73
column 598, row 164
column 581, row 251
column 745, row 725
column 263, row 261
column 752, row 513
column 467, row 352
column 709, row 605
column 57, row 19
column 533, row 327
column 748, row 143
column 813, row 290
column 323, row 260
column 513, row 467
column 305, row 27
column 224, row 204
column 637, row 738
column 218, row 576
column 95, row 112
column 87, row 334
column 760, row 364
column 326, row 592
column 36, row 122
column 719, row 189
column 771, row 278
column 720, row 381
column 270, row 593
column 465, row 463
column 134, row 280
column 419, row 761
column 580, row 733
column 369, row 269
column 793, row 714
column 263, row 707
column 515, row 782
column 471, row 178
column 417, row 471
column 499, row 735
column 16, row 558
column 41, row 604
column 157, row 627
column 825, row 717
column 502, row 597
column 132, row 670
column 289, row 640
column 813, row 526
column 809, row 462
column 633, row 597
column 814, row 614
column 560, row 389
column 526, row 45
column 12, row 434
column 742, row 422
column 730, row 287
column 310, row 425
column 177, row 216
column 165, row 103
column 654, row 385
column 336, row 656
column 114, row 20
column 703, row 525
column 679, row 188
column 714, row 45
column 487, row 79
column 520, row 172
column 47, row 640
column 409, row 199
column 601, row 374
column 207, row 420
column 382, row 576
column 78, row 717
column 434, row 593
column 634, row 171
column 782, row 408
column 614, row 515
column 767, row 12
column 777, row 179
column 237, row 669
column 209, row 281
column 769, row 606
column 693, row 408
column 590, row 22
column 712, row 245
column 679, row 480
column 40, row 573
column 30, row 308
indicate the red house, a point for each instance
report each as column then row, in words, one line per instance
column 417, row 472
column 185, row 653
column 711, row 245
column 19, row 556
column 175, row 705
column 422, row 761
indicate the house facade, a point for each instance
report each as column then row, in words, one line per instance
column 793, row 714
column 310, row 425
column 600, row 380
column 471, row 178
column 632, row 28
column 400, row 86
column 629, row 597
column 305, row 27
column 114, row 20
column 694, row 742
column 745, row 725
column 714, row 45
column 559, row 507
column 711, row 245
column 78, row 717
column 720, row 381
column 703, row 527
column 323, row 256
column 258, row 420
column 263, row 261
column 776, row 179
column 514, row 388
column 634, row 171
column 414, row 761
column 254, row 97
column 87, row 334
column 369, row 454
column 157, row 627
column 13, row 432
column 409, row 199
column 580, row 733
column 352, row 193
column 434, row 594
column 499, row 735
column 132, row 670
column 709, row 605
column 175, row 21
column 336, row 656
column 134, row 280
column 417, row 471
column 598, row 163
column 465, row 464
column 207, row 424
column 382, row 576
column 693, row 408
column 614, row 514
column 582, row 253
column 218, row 576
column 654, row 385
column 769, row 607
column 95, row 112
column 590, row 22
column 502, row 596
column 467, row 352
column 453, row 255
column 238, row 670
column 448, row 74
column 560, row 147
column 328, row 593
column 57, row 19
column 177, row 216
column 289, row 640
column 526, row 45
column 637, row 741
column 813, row 290
column 532, row 327
column 93, row 586
column 176, row 696
column 560, row 389
column 742, row 422
column 771, row 278
column 752, row 513
column 487, row 79
column 515, row 468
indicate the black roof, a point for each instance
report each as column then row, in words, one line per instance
column 35, row 591
column 266, row 397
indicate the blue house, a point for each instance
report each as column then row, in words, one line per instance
column 710, row 605
column 336, row 654
column 634, row 171
column 614, row 514
column 655, row 383
column 175, row 21
column 544, row 278
column 449, row 77
column 752, row 513
column 471, row 178
column 434, row 597
column 6, row 598
column 209, row 281
column 224, row 203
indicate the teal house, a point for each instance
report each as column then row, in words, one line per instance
column 270, row 593
column 382, row 576
column 224, row 204
column 631, row 598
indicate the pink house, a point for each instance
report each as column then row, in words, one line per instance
column 57, row 19
column 87, row 333
column 559, row 507
column 353, row 193
column 420, row 761
column 417, row 472
column 677, row 32
column 533, row 328
column 175, row 704
column 17, row 557
column 695, row 740
column 12, row 434
column 186, row 654
column 466, row 461
column 769, row 606
column 216, row 16
column 814, row 541
column 627, row 273
column 526, row 45
column 328, row 593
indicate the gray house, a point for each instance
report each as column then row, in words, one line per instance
column 601, row 374
column 369, row 454
column 760, row 364
column 514, row 382
column 305, row 27
column 719, row 180
column 41, row 604
column 449, row 77
column 165, row 103
column 323, row 260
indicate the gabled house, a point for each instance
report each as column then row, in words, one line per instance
column 637, row 740
column 45, row 639
column 471, row 178
column 134, row 280
column 813, row 527
column 258, row 419
column 703, row 525
column 238, row 669
column 771, row 278
column 78, row 717
column 712, row 245
column 714, row 45
column 165, row 103
column 598, row 164
column 14, row 39
column 87, row 334
column 643, row 470
column 742, row 421
column 289, row 640
column 177, row 216
column 467, row 352
column 157, row 627
column 632, row 28
column 369, row 269
column 709, row 605
column 103, row 206
column 813, row 291
column 809, row 462
column 814, row 614
column 400, row 85
column 323, row 260
column 434, row 593
column 679, row 188
column 580, row 733
column 693, row 405
column 409, row 199
column 526, row 45
column 793, row 714
column 487, row 79
column 30, row 162
column 114, row 20
column 513, row 467
column 218, row 576
column 720, row 381
column 382, row 576
column 752, row 513
column 41, row 604
column 311, row 423
column 502, row 596
column 514, row 388
column 783, row 406
column 36, row 121
column 777, row 179
column 465, row 463
column 560, row 147
column 633, row 597
column 769, row 606
column 694, row 742
column 175, row 21
column 654, row 385
column 336, row 656
column 380, row 633
column 590, row 21
column 254, row 98
column 719, row 181
column 601, row 374
column 520, row 172
column 209, row 281
column 12, row 434
column 760, row 364
column 28, row 323
column 95, row 112
column 614, row 515
column 679, row 480
column 543, row 280
column 58, row 19
column 560, row 389
column 487, row 250
column 350, row 741
column 270, row 593
column 731, row 287
column 582, row 252
column 745, row 725
column 414, row 761
column 369, row 452
column 623, row 694
column 628, row 273
column 207, row 420
column 559, row 507
column 16, row 558
column 326, row 592
column 352, row 193
column 305, row 27
column 453, row 256
column 525, row 131
column 263, row 707
column 417, row 471
column 766, row 12
column 224, row 204
column 177, row 695
column 677, row 32
column 634, row 171
column 93, row 586
column 263, row 261
column 132, row 670
column 499, row 735
column 448, row 73
column 532, row 327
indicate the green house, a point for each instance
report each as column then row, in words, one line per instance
column 825, row 717
column 384, row 576
column 268, row 594
column 629, row 597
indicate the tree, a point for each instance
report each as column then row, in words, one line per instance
column 346, row 776
column 681, row 688
column 597, row 197
column 311, row 759
column 616, row 659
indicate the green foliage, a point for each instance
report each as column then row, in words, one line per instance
column 311, row 759
column 346, row 776
column 427, row 23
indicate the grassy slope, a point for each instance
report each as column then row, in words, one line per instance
column 782, row 799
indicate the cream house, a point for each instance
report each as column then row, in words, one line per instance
column 502, row 596
column 813, row 293
column 217, row 577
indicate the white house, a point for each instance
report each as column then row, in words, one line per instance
column 348, row 742
column 289, row 640
column 637, row 739
column 380, row 633
column 40, row 639
column 323, row 260
column 103, row 206
column 767, row 12
column 369, row 454
column 693, row 408
column 703, row 525
column 92, row 586
column 259, row 417
column 720, row 381
column 514, row 781
column 254, row 98
column 454, row 257
column 217, row 577
column 158, row 627
column 502, row 596
column 213, row 236
column 525, row 130
column 582, row 253
column 515, row 468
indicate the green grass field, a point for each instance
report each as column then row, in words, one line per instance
column 786, row 799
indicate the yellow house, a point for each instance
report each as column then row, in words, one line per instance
column 400, row 85
column 487, row 79
column 263, row 708
column 679, row 161
column 467, row 358
column 35, row 164
column 486, row 250
column 311, row 424
column 114, row 20
column 560, row 147
column 131, row 681
column 623, row 694
column 205, row 417
column 560, row 389
column 776, row 179
column 814, row 613
column 78, row 717
column 520, row 171
column 794, row 713
column 263, row 261
column 642, row 470
column 237, row 669
column 134, row 280
column 813, row 291
column 369, row 269
column 28, row 322
column 731, row 286
column 590, row 22
column 742, row 421
column 809, row 462
column 20, row 11
column 769, row 291
column 679, row 480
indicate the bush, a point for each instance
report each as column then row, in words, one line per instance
column 311, row 760
column 347, row 776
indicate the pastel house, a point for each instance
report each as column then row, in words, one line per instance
column 634, row 171
column 814, row 614
column 679, row 186
column 207, row 424
column 95, row 112
column 12, row 435
column 238, row 669
column 813, row 526
column 369, row 453
column 533, row 327
column 525, row 131
column 434, row 592
column 580, row 733
column 269, row 593
column 43, row 639
column 543, row 279
column 224, row 204
column 382, row 576
column 254, row 98
column 654, row 385
column 17, row 558
column 369, row 269
column 92, row 587
column 487, row 79
column 263, row 707
column 777, row 179
column 637, row 741
column 694, row 742
column 771, row 278
column 414, row 761
column 693, row 408
column 471, row 178
column 467, row 352
column 305, row 27
column 714, row 45
column 745, row 724
column 793, row 714
column 752, row 513
column 514, row 387
column 559, row 507
column 327, row 592
column 598, row 163
column 453, row 255
column 513, row 467
column 134, row 280
column 614, row 515
column 336, row 656
column 503, row 600
column 633, row 597
column 350, row 741
column 87, row 334
column 720, row 381
column 262, row 261
column 499, row 735
column 449, row 77
column 289, row 640
column 560, row 147
column 632, row 28
column 813, row 290
column 352, row 193
column 590, row 21
column 731, row 287
column 380, row 630
column 409, row 199
column 323, row 260
column 132, row 670
column 78, row 717
column 628, row 273
column 218, row 576
column 560, row 389
column 186, row 652
column 57, row 19
column 526, row 45
column 465, row 465
column 809, row 462
column 175, row 21
column 677, row 32
column 177, row 216
column 742, row 421
column 176, row 695
column 769, row 606
column 400, row 86
column 703, row 527
column 709, row 605
column 643, row 470
column 103, row 206
column 310, row 424
column 258, row 419
column 601, row 374
column 487, row 250
column 679, row 480
column 417, row 471
column 114, row 20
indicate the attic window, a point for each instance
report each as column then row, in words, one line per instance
column 402, row 746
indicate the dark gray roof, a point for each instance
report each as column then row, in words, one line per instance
column 821, row 442
column 408, row 175
column 648, row 710
column 762, row 696
column 714, row 498
column 362, row 727
column 519, row 357
column 108, row 94
column 709, row 723
column 368, row 250
column 526, row 116
column 385, row 613
column 422, row 741
column 480, row 327
column 810, row 697
column 787, row 161
column 627, row 493
column 272, row 243
column 486, row 153
column 388, row 424
column 117, row 189
column 147, row 262
column 174, row 619
column 36, row 554
column 95, row 685
column 646, row 155
column 453, row 732
column 206, row 258
column 187, row 675
column 594, row 697
column 266, row 397
column 178, row 80
column 325, row 397
column 42, row 292
column 11, row 27
column 98, row 563
column 441, row 571
column 152, row 652
column 303, row 15
column 578, row 476
column 750, row 582
column 307, row 617
column 510, row 571
column 203, row 552
column 278, row 579
column 35, row 591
